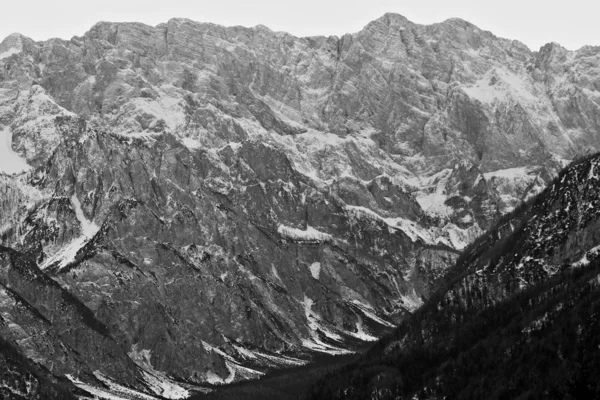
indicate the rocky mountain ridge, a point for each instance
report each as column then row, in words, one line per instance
column 258, row 196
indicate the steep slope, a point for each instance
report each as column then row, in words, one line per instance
column 206, row 266
column 517, row 315
column 20, row 379
column 213, row 202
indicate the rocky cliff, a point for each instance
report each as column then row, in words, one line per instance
column 190, row 204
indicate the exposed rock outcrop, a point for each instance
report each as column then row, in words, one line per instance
column 218, row 201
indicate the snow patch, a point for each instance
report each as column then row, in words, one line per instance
column 298, row 234
column 10, row 162
column 315, row 270
column 509, row 173
column 191, row 143
column 432, row 198
column 411, row 301
column 9, row 53
column 582, row 263
column 500, row 84
column 584, row 260
column 410, row 228
column 166, row 109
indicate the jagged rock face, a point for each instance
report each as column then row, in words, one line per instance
column 402, row 99
column 209, row 261
column 54, row 328
column 223, row 198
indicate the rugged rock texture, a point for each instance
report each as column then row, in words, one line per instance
column 396, row 98
column 210, row 202
column 20, row 379
column 522, row 301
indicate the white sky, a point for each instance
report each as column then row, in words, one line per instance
column 573, row 23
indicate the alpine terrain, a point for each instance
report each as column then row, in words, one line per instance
column 518, row 316
column 190, row 205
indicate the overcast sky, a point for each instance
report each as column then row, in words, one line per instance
column 534, row 22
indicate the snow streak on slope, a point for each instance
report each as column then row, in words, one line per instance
column 121, row 393
column 157, row 381
column 315, row 342
column 410, row 228
column 68, row 253
column 361, row 334
column 369, row 312
column 449, row 235
column 267, row 359
column 236, row 371
column 10, row 162
column 88, row 228
column 309, row 233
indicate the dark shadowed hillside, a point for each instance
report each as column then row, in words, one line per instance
column 517, row 317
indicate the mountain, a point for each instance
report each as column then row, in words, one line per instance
column 517, row 317
column 21, row 379
column 189, row 204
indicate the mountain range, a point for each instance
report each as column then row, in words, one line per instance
column 191, row 205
